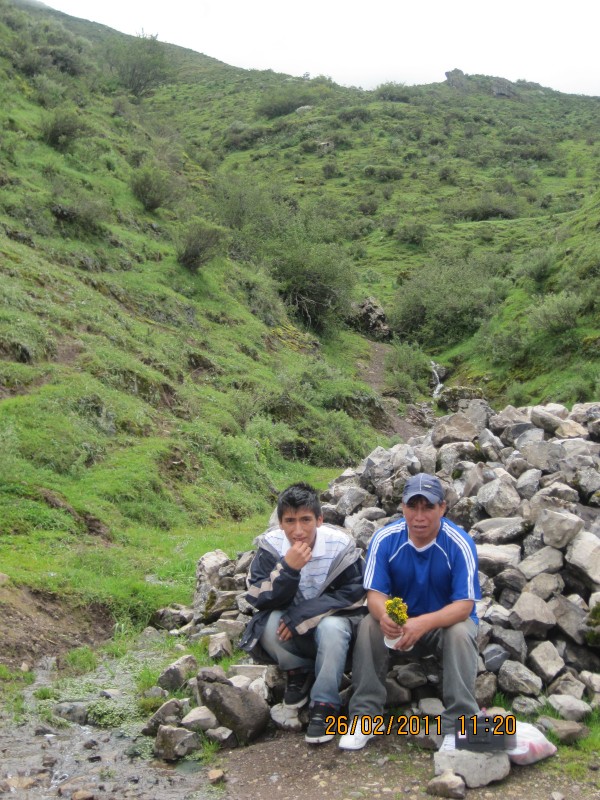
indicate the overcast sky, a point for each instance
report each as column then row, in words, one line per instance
column 374, row 41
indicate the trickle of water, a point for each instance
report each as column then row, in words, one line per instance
column 437, row 384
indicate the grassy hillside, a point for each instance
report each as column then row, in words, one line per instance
column 181, row 242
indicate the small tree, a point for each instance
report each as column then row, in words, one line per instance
column 140, row 63
column 62, row 127
column 200, row 242
column 152, row 186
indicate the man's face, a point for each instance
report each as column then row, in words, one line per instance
column 423, row 519
column 300, row 525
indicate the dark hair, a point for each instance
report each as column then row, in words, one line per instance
column 299, row 495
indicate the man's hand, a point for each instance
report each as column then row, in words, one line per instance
column 298, row 555
column 389, row 628
column 283, row 632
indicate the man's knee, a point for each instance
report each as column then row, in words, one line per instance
column 460, row 637
column 333, row 629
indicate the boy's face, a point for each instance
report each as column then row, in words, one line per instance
column 300, row 525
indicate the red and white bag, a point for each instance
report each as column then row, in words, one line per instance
column 531, row 745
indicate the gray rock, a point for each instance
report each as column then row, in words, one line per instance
column 528, row 706
column 567, row 684
column 476, row 769
column 222, row 736
column 448, row 784
column 219, row 646
column 531, row 615
column 499, row 498
column 545, row 456
column 351, row 500
column 570, row 618
column 198, row 719
column 176, row 674
column 545, row 585
column 174, row 743
column 569, row 707
column 548, row 559
column 516, row 678
column 76, row 712
column 528, row 483
column 410, row 675
column 499, row 530
column 286, row 718
column 243, row 712
column 546, row 661
column 558, row 528
column 494, row 558
column 512, row 641
column 567, row 731
column 453, row 428
column 170, row 714
column 583, row 554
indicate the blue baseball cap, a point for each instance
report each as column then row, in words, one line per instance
column 424, row 485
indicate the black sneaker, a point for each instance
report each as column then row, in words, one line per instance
column 297, row 688
column 321, row 727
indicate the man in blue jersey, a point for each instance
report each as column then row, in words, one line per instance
column 431, row 564
column 306, row 582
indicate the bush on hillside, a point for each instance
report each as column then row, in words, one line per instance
column 201, row 241
column 283, row 100
column 412, row 232
column 556, row 314
column 61, row 128
column 447, row 299
column 152, row 186
column 488, row 205
column 316, row 277
column 394, row 92
column 408, row 372
column 140, row 63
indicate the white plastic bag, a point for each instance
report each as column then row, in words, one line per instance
column 531, row 745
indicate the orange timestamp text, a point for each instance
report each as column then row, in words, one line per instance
column 378, row 725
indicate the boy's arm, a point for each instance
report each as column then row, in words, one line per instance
column 271, row 583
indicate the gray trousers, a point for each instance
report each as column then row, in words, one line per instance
column 456, row 646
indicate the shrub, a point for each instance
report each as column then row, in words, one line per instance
column 412, row 233
column 61, row 128
column 537, row 265
column 152, row 186
column 283, row 100
column 447, row 299
column 330, row 169
column 140, row 63
column 368, row 206
column 557, row 313
column 201, row 241
column 316, row 277
column 408, row 372
column 487, row 206
column 393, row 92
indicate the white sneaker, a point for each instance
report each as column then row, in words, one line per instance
column 449, row 743
column 358, row 739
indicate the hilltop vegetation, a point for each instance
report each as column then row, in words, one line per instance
column 181, row 244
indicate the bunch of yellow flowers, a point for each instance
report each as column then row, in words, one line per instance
column 397, row 610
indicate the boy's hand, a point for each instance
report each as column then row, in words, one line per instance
column 298, row 555
column 283, row 632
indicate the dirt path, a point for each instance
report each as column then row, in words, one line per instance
column 372, row 372
column 285, row 767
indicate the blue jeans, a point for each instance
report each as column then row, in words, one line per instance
column 324, row 650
